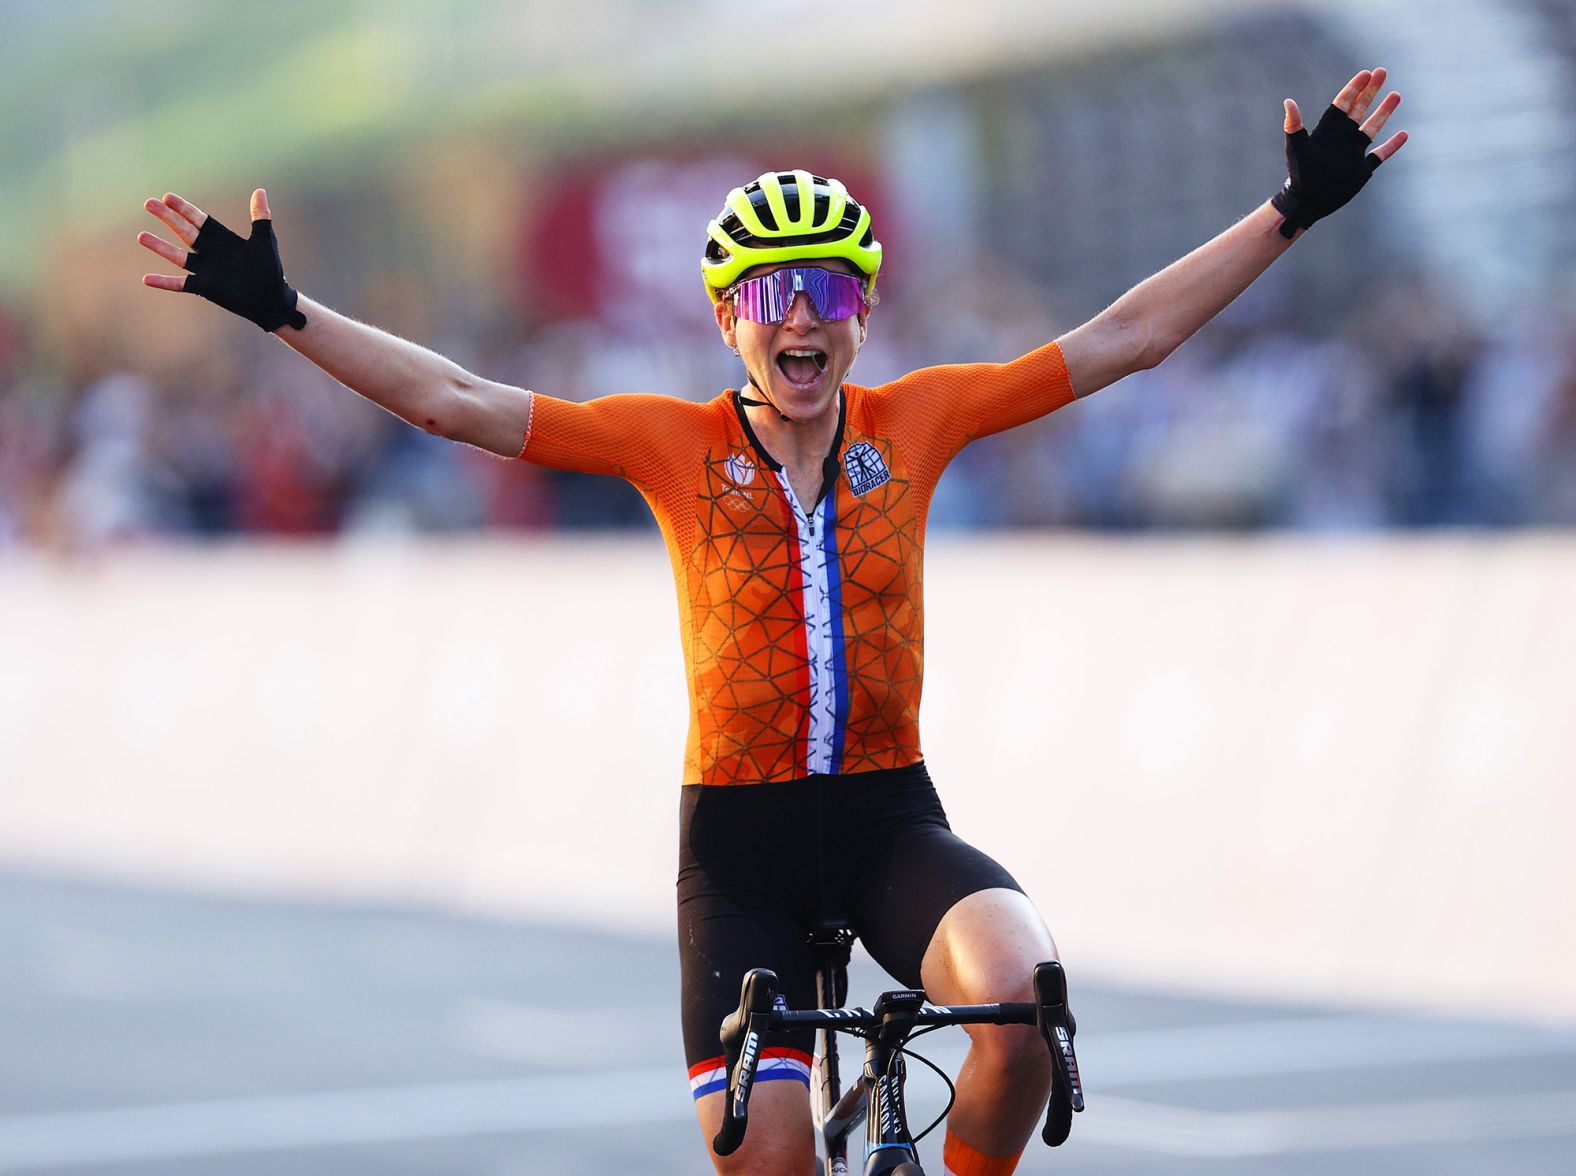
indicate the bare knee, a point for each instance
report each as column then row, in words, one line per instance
column 780, row 1140
column 985, row 949
column 1017, row 1051
column 759, row 1162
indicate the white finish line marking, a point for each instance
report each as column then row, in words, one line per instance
column 1303, row 1045
column 344, row 1118
column 610, row 1097
column 1137, row 1126
column 338, row 1118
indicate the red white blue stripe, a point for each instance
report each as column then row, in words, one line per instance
column 839, row 663
column 777, row 1064
column 821, row 586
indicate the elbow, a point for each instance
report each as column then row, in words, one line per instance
column 1134, row 344
column 446, row 408
column 434, row 420
column 1151, row 347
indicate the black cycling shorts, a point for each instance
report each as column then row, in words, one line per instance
column 761, row 864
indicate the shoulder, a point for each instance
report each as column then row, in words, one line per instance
column 635, row 407
column 697, row 412
column 634, row 425
column 917, row 394
column 681, row 426
column 865, row 399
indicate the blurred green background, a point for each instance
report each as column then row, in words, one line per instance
column 524, row 186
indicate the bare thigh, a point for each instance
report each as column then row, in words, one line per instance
column 780, row 1140
column 985, row 949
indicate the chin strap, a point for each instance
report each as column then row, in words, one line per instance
column 748, row 403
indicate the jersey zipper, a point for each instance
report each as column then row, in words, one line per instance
column 830, row 468
column 807, row 517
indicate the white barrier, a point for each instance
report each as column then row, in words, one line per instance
column 1338, row 771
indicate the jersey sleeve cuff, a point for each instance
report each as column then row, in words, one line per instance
column 530, row 417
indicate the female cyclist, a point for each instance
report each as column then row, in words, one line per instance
column 794, row 513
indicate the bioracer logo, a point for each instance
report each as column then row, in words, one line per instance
column 866, row 467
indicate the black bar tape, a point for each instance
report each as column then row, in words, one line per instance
column 245, row 277
column 1324, row 170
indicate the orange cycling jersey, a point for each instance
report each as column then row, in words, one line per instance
column 803, row 623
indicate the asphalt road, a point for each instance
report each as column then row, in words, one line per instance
column 145, row 1033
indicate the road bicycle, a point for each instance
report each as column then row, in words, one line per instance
column 876, row 1098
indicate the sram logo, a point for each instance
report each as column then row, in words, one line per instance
column 746, row 1070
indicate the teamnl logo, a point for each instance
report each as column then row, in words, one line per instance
column 866, row 468
column 741, row 472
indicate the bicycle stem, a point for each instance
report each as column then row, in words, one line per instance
column 897, row 1013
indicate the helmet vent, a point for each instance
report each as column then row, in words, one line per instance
column 763, row 209
column 791, row 199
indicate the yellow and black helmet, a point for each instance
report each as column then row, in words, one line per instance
column 787, row 216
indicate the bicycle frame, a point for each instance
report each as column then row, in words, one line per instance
column 836, row 1114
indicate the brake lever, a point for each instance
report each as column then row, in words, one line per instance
column 1058, row 1027
column 741, row 1035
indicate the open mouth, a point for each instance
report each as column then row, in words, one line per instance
column 801, row 365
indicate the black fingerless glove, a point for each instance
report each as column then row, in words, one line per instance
column 1326, row 169
column 243, row 276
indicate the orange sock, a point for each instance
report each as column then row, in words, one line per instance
column 963, row 1160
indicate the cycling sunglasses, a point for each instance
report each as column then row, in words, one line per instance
column 766, row 299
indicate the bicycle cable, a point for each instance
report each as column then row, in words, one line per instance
column 952, row 1091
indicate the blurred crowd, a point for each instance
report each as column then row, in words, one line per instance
column 1404, row 416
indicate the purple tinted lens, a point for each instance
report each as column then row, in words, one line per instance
column 766, row 299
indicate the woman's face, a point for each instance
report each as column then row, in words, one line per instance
column 797, row 364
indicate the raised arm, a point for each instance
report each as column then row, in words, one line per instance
column 1327, row 168
column 413, row 383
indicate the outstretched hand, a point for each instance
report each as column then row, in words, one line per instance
column 1330, row 165
column 185, row 220
column 243, row 275
column 1353, row 101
